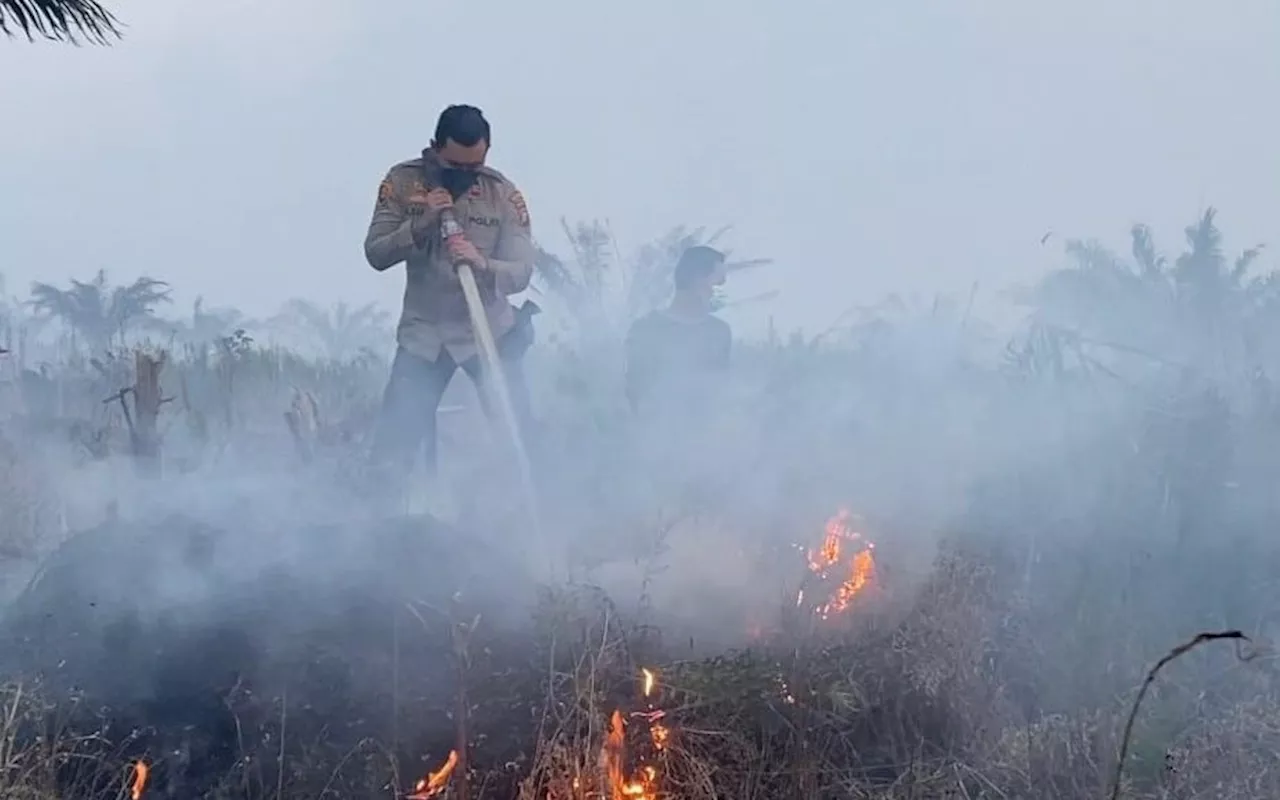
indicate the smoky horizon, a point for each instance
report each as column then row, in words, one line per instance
column 975, row 427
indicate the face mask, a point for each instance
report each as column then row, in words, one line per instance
column 457, row 181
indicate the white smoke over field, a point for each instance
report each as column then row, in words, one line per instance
column 1050, row 511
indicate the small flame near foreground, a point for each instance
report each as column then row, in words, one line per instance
column 644, row 786
column 658, row 732
column 140, row 773
column 435, row 782
column 845, row 552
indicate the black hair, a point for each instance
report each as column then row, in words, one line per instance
column 465, row 125
column 695, row 264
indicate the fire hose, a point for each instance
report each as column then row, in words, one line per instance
column 495, row 378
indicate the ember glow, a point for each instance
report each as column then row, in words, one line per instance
column 845, row 555
column 658, row 732
column 435, row 782
column 140, row 773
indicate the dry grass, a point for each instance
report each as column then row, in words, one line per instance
column 974, row 683
column 43, row 758
column 908, row 703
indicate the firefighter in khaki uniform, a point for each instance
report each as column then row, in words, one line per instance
column 434, row 336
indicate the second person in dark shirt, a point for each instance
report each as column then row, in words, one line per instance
column 675, row 354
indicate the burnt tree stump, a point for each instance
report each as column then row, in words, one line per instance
column 303, row 421
column 145, row 438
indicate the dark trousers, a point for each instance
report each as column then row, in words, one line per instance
column 413, row 395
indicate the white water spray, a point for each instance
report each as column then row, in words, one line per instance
column 495, row 381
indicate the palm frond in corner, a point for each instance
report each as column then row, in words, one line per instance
column 59, row 20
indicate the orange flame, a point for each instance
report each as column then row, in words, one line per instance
column 140, row 773
column 611, row 756
column 660, row 735
column 658, row 732
column 643, row 786
column 435, row 782
column 839, row 531
column 860, row 574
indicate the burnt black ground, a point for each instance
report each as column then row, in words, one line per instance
column 192, row 645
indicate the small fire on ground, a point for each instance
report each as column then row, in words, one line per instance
column 435, row 782
column 643, row 785
column 140, row 773
column 846, row 556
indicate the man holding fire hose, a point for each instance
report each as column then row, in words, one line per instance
column 449, row 186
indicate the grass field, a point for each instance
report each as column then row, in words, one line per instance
column 1032, row 525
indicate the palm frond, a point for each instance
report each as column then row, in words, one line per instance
column 1244, row 261
column 1090, row 255
column 553, row 273
column 132, row 304
column 138, row 299
column 1203, row 264
column 1150, row 264
column 59, row 20
column 202, row 314
column 353, row 321
column 50, row 301
column 591, row 244
column 81, row 307
column 340, row 331
column 304, row 312
column 96, row 309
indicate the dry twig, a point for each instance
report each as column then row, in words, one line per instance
column 1171, row 656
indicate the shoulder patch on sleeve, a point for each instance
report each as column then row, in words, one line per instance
column 522, row 209
column 386, row 191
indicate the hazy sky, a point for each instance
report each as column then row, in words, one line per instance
column 235, row 147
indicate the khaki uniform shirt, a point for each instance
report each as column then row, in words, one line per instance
column 495, row 219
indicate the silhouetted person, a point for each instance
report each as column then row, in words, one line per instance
column 676, row 355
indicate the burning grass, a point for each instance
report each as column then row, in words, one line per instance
column 939, row 693
column 1096, row 509
column 1005, row 671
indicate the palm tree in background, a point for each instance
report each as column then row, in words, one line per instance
column 59, row 20
column 10, row 307
column 339, row 332
column 1198, row 308
column 581, row 284
column 205, row 324
column 98, row 311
